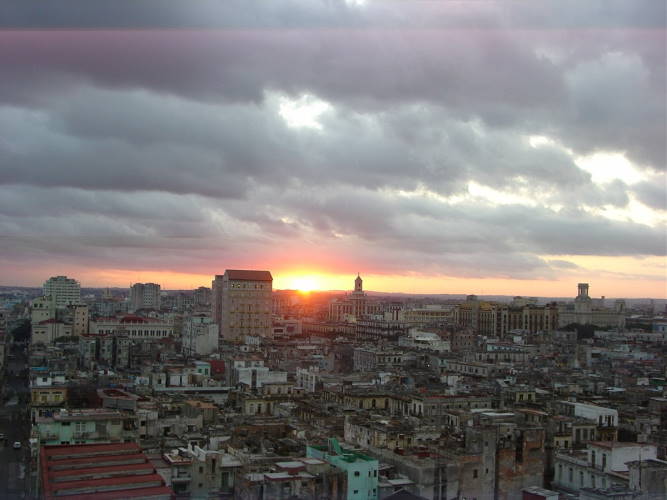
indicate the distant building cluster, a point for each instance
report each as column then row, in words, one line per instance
column 242, row 391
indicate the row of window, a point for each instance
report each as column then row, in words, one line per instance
column 256, row 286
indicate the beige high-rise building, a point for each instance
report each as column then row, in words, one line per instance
column 62, row 290
column 145, row 296
column 80, row 320
column 216, row 300
column 246, row 304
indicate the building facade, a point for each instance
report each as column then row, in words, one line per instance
column 353, row 306
column 585, row 311
column 200, row 335
column 145, row 296
column 216, row 300
column 134, row 327
column 246, row 304
column 62, row 290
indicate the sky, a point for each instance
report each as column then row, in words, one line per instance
column 480, row 146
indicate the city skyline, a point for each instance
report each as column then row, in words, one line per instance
column 343, row 283
column 506, row 148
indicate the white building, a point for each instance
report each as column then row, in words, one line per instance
column 585, row 311
column 431, row 341
column 604, row 417
column 62, row 290
column 144, row 296
column 246, row 304
column 254, row 374
column 604, row 464
column 308, row 378
column 200, row 335
column 135, row 327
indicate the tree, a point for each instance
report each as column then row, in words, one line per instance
column 21, row 332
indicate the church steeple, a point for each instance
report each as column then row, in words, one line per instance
column 358, row 284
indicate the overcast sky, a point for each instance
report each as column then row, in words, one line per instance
column 452, row 146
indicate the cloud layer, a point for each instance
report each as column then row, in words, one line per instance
column 334, row 136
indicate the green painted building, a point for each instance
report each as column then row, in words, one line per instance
column 361, row 470
column 85, row 426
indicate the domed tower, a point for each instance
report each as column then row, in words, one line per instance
column 358, row 284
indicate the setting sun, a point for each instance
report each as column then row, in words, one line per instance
column 304, row 283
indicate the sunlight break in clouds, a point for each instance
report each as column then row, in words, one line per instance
column 303, row 112
column 607, row 167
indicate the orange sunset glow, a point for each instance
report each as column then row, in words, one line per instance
column 606, row 284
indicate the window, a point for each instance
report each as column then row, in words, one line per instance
column 356, row 473
column 475, row 473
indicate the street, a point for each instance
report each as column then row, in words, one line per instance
column 15, row 425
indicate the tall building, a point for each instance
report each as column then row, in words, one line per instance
column 354, row 306
column 80, row 323
column 145, row 296
column 246, row 304
column 216, row 300
column 62, row 290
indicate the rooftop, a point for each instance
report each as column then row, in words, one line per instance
column 119, row 471
column 248, row 275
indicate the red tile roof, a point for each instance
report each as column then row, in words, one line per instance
column 142, row 493
column 131, row 318
column 247, row 275
column 90, row 471
column 49, row 321
column 94, row 469
column 73, row 449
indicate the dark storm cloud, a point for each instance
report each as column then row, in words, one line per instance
column 175, row 14
column 610, row 99
column 543, row 14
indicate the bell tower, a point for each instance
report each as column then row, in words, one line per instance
column 358, row 284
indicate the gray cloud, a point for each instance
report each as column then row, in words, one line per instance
column 150, row 149
column 653, row 193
